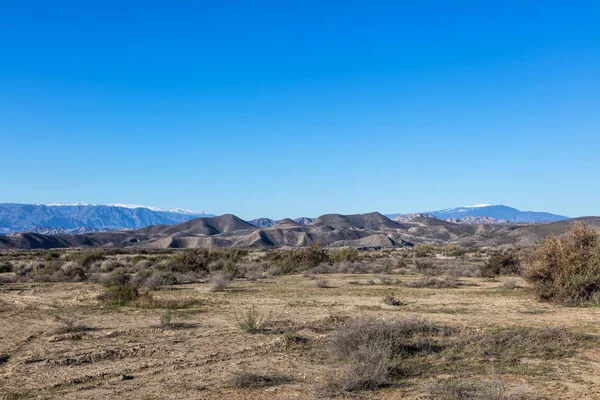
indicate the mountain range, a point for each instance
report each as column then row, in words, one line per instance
column 89, row 218
column 72, row 218
column 372, row 230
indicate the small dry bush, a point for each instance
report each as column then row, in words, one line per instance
column 390, row 300
column 515, row 343
column 466, row 389
column 510, row 284
column 504, row 262
column 69, row 325
column 427, row 268
column 423, row 249
column 166, row 319
column 566, row 269
column 219, row 282
column 447, row 282
column 322, row 283
column 453, row 250
column 251, row 380
column 252, row 320
column 367, row 350
column 148, row 301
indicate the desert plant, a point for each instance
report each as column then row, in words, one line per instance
column 510, row 284
column 252, row 320
column 566, row 269
column 425, row 281
column 166, row 319
column 390, row 300
column 322, row 283
column 74, row 271
column 427, row 268
column 69, row 325
column 219, row 282
column 453, row 250
column 5, row 266
column 345, row 254
column 501, row 263
column 245, row 379
column 367, row 350
column 423, row 249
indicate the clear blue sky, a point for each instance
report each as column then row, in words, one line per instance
column 300, row 108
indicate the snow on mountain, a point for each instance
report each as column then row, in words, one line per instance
column 28, row 217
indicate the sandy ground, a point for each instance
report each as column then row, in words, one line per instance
column 197, row 359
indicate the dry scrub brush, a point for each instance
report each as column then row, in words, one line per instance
column 566, row 269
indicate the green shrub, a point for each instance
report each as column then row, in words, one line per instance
column 566, row 269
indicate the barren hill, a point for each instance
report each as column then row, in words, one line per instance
column 332, row 230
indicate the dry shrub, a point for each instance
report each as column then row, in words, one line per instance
column 503, row 262
column 219, row 282
column 322, row 283
column 7, row 279
column 390, row 300
column 453, row 250
column 517, row 342
column 5, row 266
column 423, row 249
column 252, row 320
column 345, row 254
column 148, row 301
column 427, row 268
column 465, row 389
column 566, row 269
column 447, row 282
column 367, row 350
column 510, row 284
column 69, row 325
column 251, row 380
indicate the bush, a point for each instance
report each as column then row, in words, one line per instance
column 459, row 389
column 566, row 269
column 74, row 271
column 423, row 249
column 322, row 283
column 501, row 263
column 250, row 380
column 448, row 282
column 345, row 254
column 427, row 268
column 166, row 319
column 219, row 282
column 252, row 321
column 5, row 266
column 390, row 300
column 453, row 250
column 368, row 349
column 68, row 325
column 120, row 290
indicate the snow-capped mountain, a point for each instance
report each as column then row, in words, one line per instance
column 28, row 217
column 497, row 212
column 486, row 214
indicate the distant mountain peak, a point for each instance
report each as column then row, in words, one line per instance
column 129, row 206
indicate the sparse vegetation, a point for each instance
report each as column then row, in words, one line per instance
column 219, row 282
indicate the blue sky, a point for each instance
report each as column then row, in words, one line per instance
column 273, row 108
